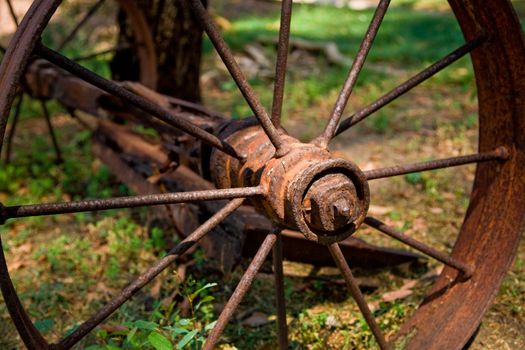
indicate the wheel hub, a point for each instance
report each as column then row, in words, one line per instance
column 307, row 189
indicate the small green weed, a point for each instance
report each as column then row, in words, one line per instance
column 166, row 328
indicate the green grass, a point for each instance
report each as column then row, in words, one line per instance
column 409, row 41
column 404, row 37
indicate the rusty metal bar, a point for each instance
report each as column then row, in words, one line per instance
column 100, row 53
column 29, row 334
column 83, row 21
column 240, row 291
column 410, row 84
column 235, row 71
column 149, row 275
column 195, row 107
column 282, row 58
column 51, row 132
column 12, row 130
column 12, row 12
column 500, row 153
column 353, row 286
column 296, row 247
column 353, row 74
column 135, row 100
column 126, row 202
column 282, row 328
column 465, row 269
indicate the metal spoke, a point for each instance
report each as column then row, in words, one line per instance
column 83, row 21
column 149, row 275
column 12, row 12
column 500, row 153
column 465, row 269
column 135, row 100
column 410, row 84
column 351, row 80
column 100, row 53
column 282, row 328
column 240, row 291
column 51, row 132
column 126, row 202
column 235, row 71
column 353, row 286
column 282, row 58
column 12, row 130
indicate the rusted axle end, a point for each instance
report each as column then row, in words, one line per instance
column 306, row 189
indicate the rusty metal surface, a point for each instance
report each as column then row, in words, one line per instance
column 301, row 186
column 18, row 53
column 134, row 160
column 495, row 218
column 11, row 69
column 281, row 62
column 51, row 131
column 134, row 99
column 29, row 334
column 43, row 80
column 359, row 253
column 19, row 211
column 14, row 124
column 235, row 71
column 326, row 199
column 144, row 44
column 501, row 153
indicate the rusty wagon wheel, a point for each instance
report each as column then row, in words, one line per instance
column 301, row 186
column 141, row 41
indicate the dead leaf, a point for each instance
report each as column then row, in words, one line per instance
column 155, row 288
column 396, row 295
column 112, row 328
column 24, row 248
column 373, row 306
column 368, row 283
column 432, row 274
column 379, row 210
column 409, row 284
column 436, row 210
column 448, row 195
column 14, row 266
column 222, row 22
column 257, row 319
column 69, row 280
column 419, row 225
column 91, row 296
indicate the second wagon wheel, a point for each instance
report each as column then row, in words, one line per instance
column 139, row 40
column 304, row 187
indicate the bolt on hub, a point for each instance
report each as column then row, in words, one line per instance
column 306, row 189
